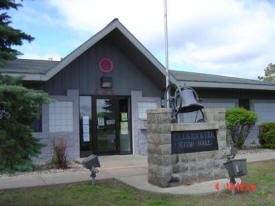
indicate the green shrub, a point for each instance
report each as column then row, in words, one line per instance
column 267, row 134
column 253, row 142
column 239, row 122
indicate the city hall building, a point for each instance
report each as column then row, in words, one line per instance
column 104, row 87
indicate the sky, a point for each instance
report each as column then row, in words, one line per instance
column 224, row 37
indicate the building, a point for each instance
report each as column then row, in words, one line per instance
column 104, row 87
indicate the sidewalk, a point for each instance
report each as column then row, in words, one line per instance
column 129, row 169
column 256, row 157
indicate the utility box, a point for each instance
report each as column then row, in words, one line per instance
column 91, row 161
column 236, row 167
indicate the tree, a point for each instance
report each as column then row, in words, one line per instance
column 239, row 122
column 19, row 108
column 269, row 73
column 9, row 36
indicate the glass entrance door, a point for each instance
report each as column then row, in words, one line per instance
column 106, row 125
column 124, row 125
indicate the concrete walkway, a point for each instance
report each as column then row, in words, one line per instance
column 256, row 157
column 129, row 169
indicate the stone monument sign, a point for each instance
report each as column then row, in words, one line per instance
column 181, row 153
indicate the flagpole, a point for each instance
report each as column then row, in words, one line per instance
column 166, row 49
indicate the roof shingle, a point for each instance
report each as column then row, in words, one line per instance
column 28, row 66
column 183, row 76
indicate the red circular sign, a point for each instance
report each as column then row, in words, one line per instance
column 105, row 65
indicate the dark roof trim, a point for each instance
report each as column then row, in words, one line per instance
column 226, row 85
column 202, row 80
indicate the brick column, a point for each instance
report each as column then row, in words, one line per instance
column 160, row 159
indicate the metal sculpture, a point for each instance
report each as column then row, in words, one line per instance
column 182, row 100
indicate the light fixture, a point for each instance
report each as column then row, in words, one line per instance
column 106, row 82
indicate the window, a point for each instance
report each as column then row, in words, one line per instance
column 244, row 103
column 85, row 109
column 37, row 125
column 61, row 117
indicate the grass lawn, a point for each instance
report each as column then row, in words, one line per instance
column 262, row 174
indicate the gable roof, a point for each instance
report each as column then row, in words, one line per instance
column 45, row 74
column 43, row 70
column 193, row 79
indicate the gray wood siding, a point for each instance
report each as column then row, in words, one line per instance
column 83, row 74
